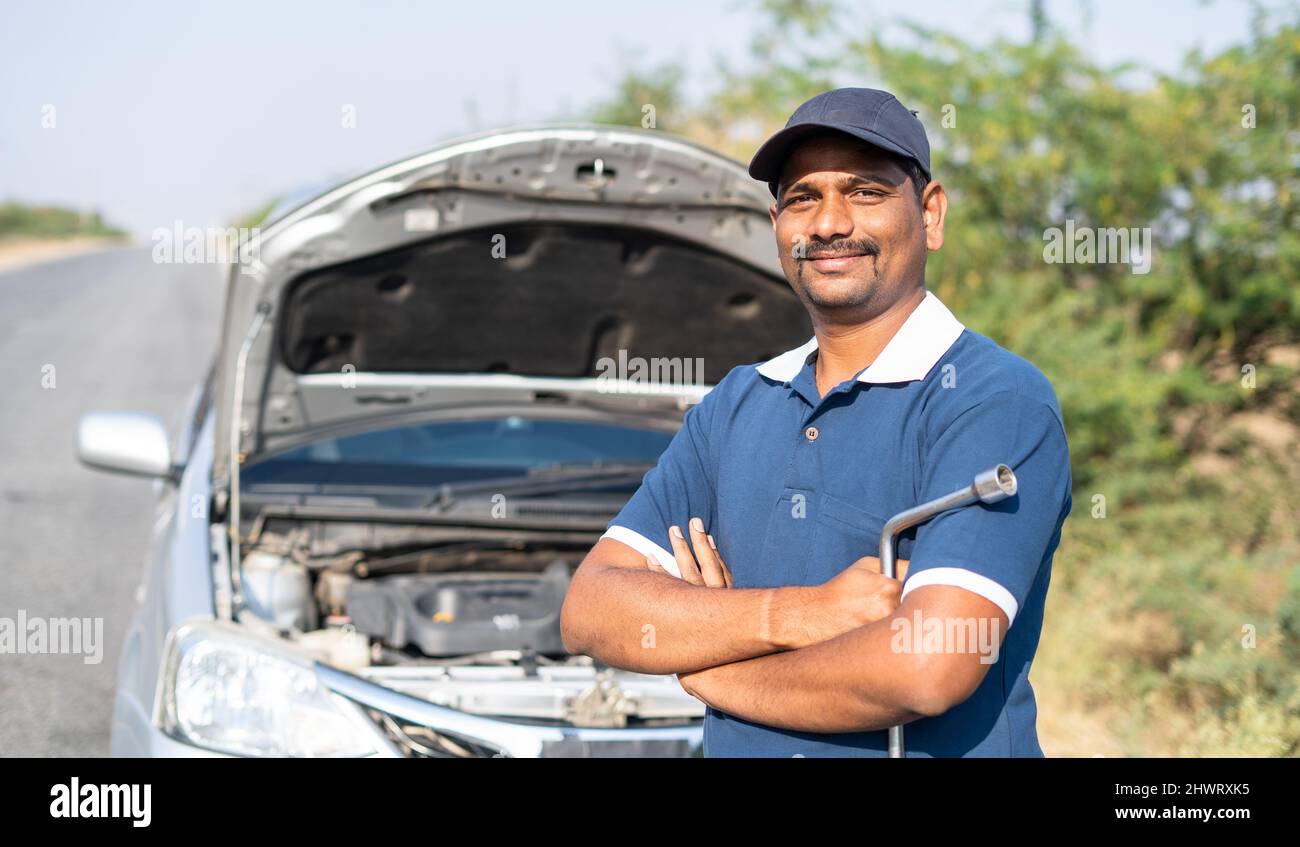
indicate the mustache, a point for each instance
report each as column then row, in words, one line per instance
column 846, row 247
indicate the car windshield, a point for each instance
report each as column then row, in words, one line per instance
column 445, row 452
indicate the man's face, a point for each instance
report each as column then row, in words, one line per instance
column 851, row 234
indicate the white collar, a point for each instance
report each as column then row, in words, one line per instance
column 918, row 344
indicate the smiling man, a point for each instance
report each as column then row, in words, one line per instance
column 775, row 613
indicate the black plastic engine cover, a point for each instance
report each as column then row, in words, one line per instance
column 455, row 614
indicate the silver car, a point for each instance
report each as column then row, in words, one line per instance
column 435, row 386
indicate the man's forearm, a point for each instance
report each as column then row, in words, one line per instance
column 850, row 683
column 655, row 623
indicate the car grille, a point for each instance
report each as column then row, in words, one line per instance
column 419, row 728
column 422, row 742
column 580, row 748
column 417, row 741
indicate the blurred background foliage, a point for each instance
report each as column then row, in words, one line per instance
column 19, row 220
column 1173, row 624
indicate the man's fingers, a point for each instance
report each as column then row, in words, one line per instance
column 720, row 563
column 711, row 567
column 653, row 564
column 685, row 561
column 872, row 563
column 726, row 571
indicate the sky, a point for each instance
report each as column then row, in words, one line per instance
column 197, row 111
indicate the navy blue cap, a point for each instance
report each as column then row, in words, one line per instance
column 868, row 114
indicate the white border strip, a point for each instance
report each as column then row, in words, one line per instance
column 645, row 547
column 969, row 580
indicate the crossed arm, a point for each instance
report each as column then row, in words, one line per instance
column 840, row 657
column 860, row 680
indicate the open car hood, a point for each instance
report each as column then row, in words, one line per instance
column 509, row 266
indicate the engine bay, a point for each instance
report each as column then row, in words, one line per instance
column 416, row 601
column 468, row 623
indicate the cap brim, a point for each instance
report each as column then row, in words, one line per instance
column 768, row 162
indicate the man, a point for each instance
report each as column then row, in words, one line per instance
column 774, row 613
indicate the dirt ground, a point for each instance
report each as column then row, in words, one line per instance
column 17, row 252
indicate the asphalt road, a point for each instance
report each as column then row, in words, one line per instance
column 122, row 333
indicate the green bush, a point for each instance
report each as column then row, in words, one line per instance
column 20, row 220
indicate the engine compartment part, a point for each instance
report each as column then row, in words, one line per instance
column 332, row 592
column 278, row 590
column 569, row 694
column 341, row 647
column 459, row 613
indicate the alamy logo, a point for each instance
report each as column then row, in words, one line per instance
column 93, row 800
column 194, row 245
column 637, row 375
column 946, row 635
column 1086, row 245
column 78, row 636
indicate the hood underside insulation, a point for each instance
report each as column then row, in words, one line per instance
column 538, row 299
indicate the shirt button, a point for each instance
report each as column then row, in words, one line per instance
column 811, row 433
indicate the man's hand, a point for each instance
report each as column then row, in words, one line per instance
column 862, row 585
column 709, row 571
column 855, row 597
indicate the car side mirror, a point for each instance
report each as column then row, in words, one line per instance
column 125, row 442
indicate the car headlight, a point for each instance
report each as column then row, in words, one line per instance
column 232, row 692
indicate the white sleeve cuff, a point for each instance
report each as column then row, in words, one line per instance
column 645, row 547
column 969, row 580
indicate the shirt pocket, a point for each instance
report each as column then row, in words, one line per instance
column 790, row 532
column 845, row 533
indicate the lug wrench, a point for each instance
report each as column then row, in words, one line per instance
column 990, row 486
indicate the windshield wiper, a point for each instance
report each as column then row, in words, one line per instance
column 549, row 479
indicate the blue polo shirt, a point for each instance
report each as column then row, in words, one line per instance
column 795, row 487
